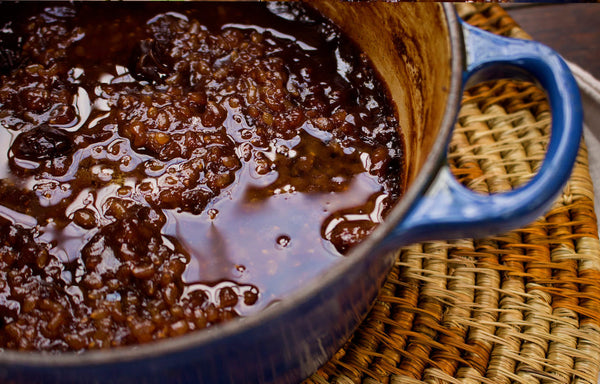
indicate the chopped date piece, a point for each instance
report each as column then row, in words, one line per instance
column 42, row 143
column 32, row 311
column 49, row 37
column 348, row 233
column 19, row 248
column 310, row 170
column 149, row 61
column 35, row 95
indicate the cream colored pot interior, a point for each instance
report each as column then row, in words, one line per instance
column 409, row 46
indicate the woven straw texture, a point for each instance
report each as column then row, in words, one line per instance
column 523, row 307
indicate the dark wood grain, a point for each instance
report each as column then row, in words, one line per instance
column 571, row 29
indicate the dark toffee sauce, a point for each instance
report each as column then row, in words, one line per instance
column 167, row 167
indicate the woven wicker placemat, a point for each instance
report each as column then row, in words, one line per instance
column 522, row 307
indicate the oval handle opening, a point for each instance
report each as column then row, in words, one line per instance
column 447, row 209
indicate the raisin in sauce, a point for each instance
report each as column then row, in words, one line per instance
column 167, row 167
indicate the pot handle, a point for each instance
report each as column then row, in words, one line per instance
column 448, row 210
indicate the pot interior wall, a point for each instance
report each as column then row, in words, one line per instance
column 409, row 46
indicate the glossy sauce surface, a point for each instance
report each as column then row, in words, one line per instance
column 167, row 167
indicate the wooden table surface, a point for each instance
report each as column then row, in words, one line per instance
column 573, row 29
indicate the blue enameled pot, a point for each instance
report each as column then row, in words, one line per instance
column 425, row 55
